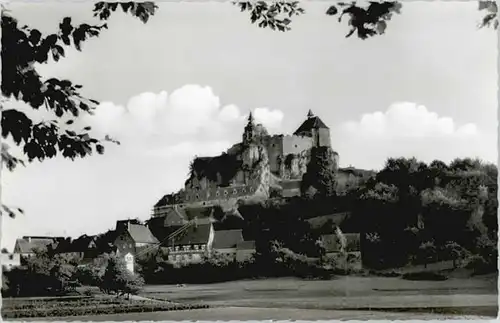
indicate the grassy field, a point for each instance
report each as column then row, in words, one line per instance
column 343, row 298
column 341, row 293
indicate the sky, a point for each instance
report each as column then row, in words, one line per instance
column 183, row 84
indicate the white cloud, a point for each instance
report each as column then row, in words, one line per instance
column 409, row 129
column 190, row 115
column 269, row 118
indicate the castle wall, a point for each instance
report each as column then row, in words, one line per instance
column 295, row 144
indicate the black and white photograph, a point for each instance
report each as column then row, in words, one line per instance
column 249, row 160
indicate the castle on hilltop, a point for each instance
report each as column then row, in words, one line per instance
column 252, row 169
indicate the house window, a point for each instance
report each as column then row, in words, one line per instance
column 225, row 192
column 244, row 190
column 130, row 245
column 170, row 258
column 202, row 247
column 217, row 193
column 197, row 196
column 11, row 257
column 190, row 256
column 196, row 247
column 177, row 248
column 235, row 192
column 295, row 146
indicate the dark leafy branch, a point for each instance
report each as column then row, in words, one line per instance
column 369, row 21
column 22, row 49
column 274, row 15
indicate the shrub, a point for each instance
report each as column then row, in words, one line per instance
column 118, row 279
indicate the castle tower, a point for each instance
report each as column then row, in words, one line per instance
column 249, row 132
column 315, row 128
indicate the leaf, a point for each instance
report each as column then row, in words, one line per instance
column 332, row 11
column 35, row 36
column 99, row 149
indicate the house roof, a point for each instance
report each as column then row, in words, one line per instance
column 141, row 234
column 195, row 234
column 332, row 244
column 246, row 245
column 309, row 124
column 29, row 244
column 226, row 239
column 82, row 243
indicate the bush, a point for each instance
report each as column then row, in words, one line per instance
column 88, row 307
column 118, row 279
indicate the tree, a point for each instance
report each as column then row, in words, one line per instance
column 427, row 252
column 320, row 173
column 24, row 48
column 454, row 251
column 118, row 279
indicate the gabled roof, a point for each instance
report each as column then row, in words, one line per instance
column 246, row 245
column 309, row 124
column 226, row 239
column 195, row 234
column 141, row 234
column 29, row 244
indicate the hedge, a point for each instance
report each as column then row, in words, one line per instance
column 38, row 309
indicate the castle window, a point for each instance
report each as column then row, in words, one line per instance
column 197, row 196
column 295, row 146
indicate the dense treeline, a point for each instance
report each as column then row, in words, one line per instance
column 405, row 210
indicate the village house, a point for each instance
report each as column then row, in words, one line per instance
column 83, row 248
column 192, row 242
column 132, row 238
column 226, row 241
column 27, row 245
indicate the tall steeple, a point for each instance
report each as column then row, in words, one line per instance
column 310, row 114
column 249, row 133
